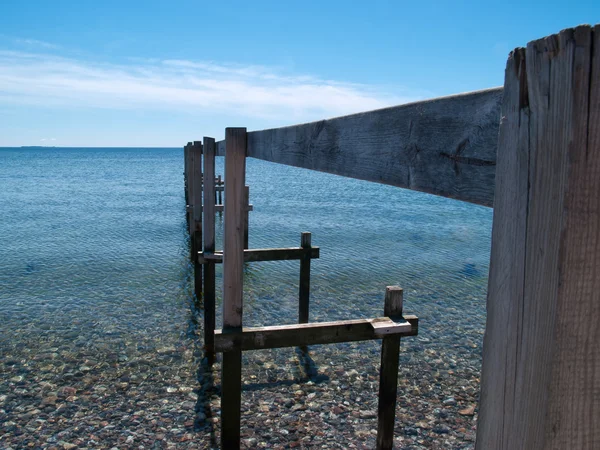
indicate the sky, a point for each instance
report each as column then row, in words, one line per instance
column 162, row 73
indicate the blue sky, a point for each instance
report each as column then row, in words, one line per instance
column 158, row 73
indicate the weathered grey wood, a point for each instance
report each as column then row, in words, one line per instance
column 296, row 335
column 265, row 254
column 541, row 361
column 246, row 214
column 209, row 246
column 445, row 146
column 304, row 286
column 233, row 282
column 388, row 374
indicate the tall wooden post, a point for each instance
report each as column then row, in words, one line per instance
column 209, row 247
column 185, row 171
column 196, row 223
column 388, row 373
column 246, row 214
column 233, row 282
column 541, row 361
column 220, row 199
column 304, row 288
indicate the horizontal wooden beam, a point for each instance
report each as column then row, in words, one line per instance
column 314, row 333
column 444, row 146
column 218, row 208
column 264, row 254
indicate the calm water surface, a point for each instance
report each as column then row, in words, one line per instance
column 94, row 264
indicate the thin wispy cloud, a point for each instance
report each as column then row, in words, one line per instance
column 52, row 81
column 37, row 43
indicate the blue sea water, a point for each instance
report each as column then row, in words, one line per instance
column 94, row 255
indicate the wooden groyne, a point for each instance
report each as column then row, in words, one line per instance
column 532, row 151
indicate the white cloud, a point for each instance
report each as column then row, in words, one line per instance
column 37, row 43
column 253, row 91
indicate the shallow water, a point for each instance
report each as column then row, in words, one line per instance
column 95, row 290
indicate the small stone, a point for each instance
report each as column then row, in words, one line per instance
column 450, row 401
column 467, row 411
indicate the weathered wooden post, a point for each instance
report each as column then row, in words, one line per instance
column 196, row 222
column 220, row 192
column 209, row 247
column 246, row 214
column 233, row 283
column 185, row 172
column 304, row 288
column 541, row 355
column 388, row 373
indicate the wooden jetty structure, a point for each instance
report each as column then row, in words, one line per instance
column 530, row 150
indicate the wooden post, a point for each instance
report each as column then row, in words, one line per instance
column 246, row 214
column 188, row 179
column 541, row 354
column 185, row 172
column 304, row 289
column 220, row 183
column 233, row 282
column 196, row 224
column 388, row 373
column 209, row 247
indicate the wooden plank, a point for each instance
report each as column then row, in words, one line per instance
column 233, row 283
column 388, row 374
column 265, row 254
column 304, row 285
column 444, row 146
column 221, row 208
column 540, row 375
column 209, row 246
column 296, row 335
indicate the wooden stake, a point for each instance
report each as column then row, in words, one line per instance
column 541, row 358
column 219, row 183
column 388, row 374
column 209, row 247
column 196, row 224
column 233, row 283
column 246, row 214
column 304, row 289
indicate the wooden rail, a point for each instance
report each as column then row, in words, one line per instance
column 445, row 146
column 315, row 333
column 265, row 254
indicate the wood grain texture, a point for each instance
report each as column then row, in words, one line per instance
column 388, row 373
column 540, row 379
column 296, row 335
column 209, row 246
column 265, row 254
column 445, row 146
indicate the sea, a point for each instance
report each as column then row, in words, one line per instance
column 95, row 273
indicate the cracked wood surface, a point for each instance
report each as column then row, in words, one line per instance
column 444, row 146
column 541, row 359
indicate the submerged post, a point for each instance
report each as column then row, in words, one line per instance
column 209, row 247
column 541, row 355
column 304, row 289
column 388, row 373
column 233, row 282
